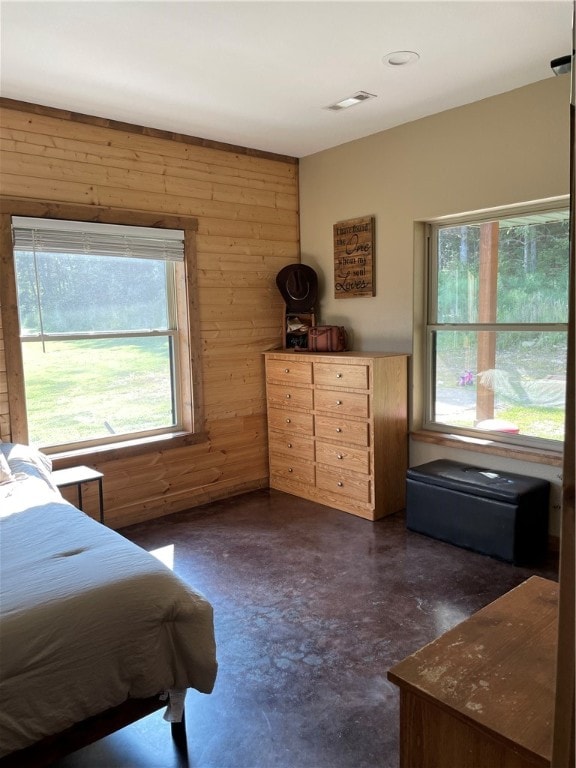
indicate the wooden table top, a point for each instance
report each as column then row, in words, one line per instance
column 496, row 670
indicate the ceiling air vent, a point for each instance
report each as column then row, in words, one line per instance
column 351, row 100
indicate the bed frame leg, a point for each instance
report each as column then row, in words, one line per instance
column 179, row 735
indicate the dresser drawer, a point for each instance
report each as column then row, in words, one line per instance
column 354, row 487
column 291, row 421
column 334, row 375
column 355, row 432
column 341, row 403
column 291, row 445
column 343, row 458
column 297, row 371
column 297, row 471
column 288, row 396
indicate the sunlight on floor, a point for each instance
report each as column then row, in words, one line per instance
column 447, row 615
column 165, row 555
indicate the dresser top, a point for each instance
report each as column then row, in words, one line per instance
column 303, row 354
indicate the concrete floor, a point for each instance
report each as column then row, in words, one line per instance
column 312, row 607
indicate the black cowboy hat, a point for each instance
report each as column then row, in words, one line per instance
column 298, row 284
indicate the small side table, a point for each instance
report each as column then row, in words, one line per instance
column 76, row 476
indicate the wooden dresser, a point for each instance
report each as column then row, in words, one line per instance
column 337, row 428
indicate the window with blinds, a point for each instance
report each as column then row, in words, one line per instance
column 98, row 319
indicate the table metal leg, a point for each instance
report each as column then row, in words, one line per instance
column 101, row 499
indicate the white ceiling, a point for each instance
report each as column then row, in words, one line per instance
column 261, row 74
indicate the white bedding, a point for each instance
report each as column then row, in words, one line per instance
column 88, row 619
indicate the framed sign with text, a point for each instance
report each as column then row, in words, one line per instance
column 353, row 258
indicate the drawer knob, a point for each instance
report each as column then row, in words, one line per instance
column 287, row 397
column 290, row 469
column 287, row 421
column 289, row 445
column 286, row 370
column 338, row 402
column 338, row 429
column 340, row 484
column 339, row 456
column 338, row 375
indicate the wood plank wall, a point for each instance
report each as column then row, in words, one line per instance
column 246, row 204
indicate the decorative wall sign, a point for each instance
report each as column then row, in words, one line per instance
column 353, row 258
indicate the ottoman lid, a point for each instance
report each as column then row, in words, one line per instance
column 478, row 481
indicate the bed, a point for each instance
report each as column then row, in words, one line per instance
column 94, row 631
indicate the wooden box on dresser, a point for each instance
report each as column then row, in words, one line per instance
column 337, row 428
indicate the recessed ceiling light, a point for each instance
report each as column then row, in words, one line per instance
column 357, row 98
column 400, row 58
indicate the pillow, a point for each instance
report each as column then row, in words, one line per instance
column 6, row 475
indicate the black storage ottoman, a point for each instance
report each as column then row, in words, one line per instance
column 499, row 514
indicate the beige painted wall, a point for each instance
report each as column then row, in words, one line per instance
column 508, row 149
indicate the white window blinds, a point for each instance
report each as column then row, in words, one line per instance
column 93, row 239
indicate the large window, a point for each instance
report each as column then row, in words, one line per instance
column 99, row 320
column 496, row 336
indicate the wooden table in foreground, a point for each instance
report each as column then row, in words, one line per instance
column 482, row 695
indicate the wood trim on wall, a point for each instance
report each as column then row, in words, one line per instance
column 506, row 450
column 97, row 213
column 191, row 322
column 103, row 122
column 11, row 329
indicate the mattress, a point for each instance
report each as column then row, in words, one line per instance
column 88, row 619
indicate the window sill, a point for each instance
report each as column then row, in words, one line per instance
column 479, row 445
column 124, row 449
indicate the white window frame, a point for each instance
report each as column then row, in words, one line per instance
column 431, row 325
